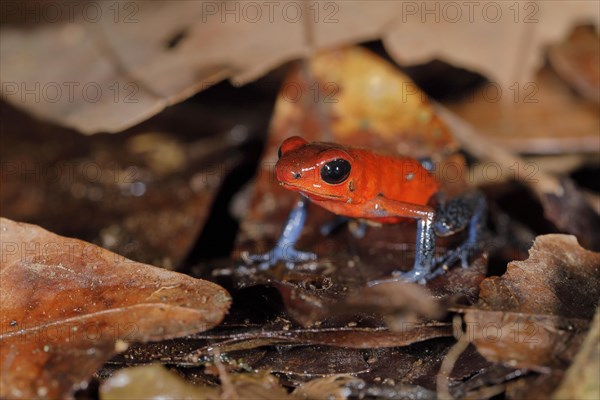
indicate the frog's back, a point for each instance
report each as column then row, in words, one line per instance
column 399, row 178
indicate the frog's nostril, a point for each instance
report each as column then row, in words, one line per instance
column 296, row 175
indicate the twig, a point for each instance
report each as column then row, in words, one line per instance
column 442, row 382
column 229, row 392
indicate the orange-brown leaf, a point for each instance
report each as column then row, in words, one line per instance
column 68, row 306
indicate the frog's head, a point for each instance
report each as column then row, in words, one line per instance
column 321, row 171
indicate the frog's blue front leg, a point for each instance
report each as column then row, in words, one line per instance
column 285, row 249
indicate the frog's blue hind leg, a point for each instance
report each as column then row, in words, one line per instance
column 424, row 245
column 285, row 249
column 466, row 211
column 463, row 212
column 424, row 253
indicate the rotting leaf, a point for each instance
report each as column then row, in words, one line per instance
column 192, row 350
column 568, row 208
column 152, row 382
column 521, row 124
column 66, row 302
column 356, row 338
column 156, row 382
column 534, row 386
column 312, row 361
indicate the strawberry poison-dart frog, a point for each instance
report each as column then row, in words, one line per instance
column 362, row 184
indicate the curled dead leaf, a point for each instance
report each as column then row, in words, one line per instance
column 536, row 314
column 559, row 278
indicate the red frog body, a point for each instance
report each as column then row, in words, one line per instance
column 359, row 183
column 371, row 180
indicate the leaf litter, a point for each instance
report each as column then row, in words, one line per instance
column 522, row 332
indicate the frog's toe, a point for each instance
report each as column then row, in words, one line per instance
column 257, row 258
column 464, row 258
column 260, row 261
column 414, row 277
column 293, row 256
column 289, row 256
column 462, row 253
column 399, row 276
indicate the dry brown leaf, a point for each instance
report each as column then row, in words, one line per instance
column 534, row 316
column 537, row 342
column 577, row 60
column 559, row 278
column 109, row 68
column 66, row 302
column 502, row 40
column 523, row 118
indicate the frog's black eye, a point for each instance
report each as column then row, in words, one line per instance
column 336, row 171
column 279, row 152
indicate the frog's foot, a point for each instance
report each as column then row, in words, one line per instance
column 286, row 254
column 415, row 276
column 462, row 253
column 285, row 251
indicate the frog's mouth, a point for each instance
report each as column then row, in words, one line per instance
column 311, row 195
